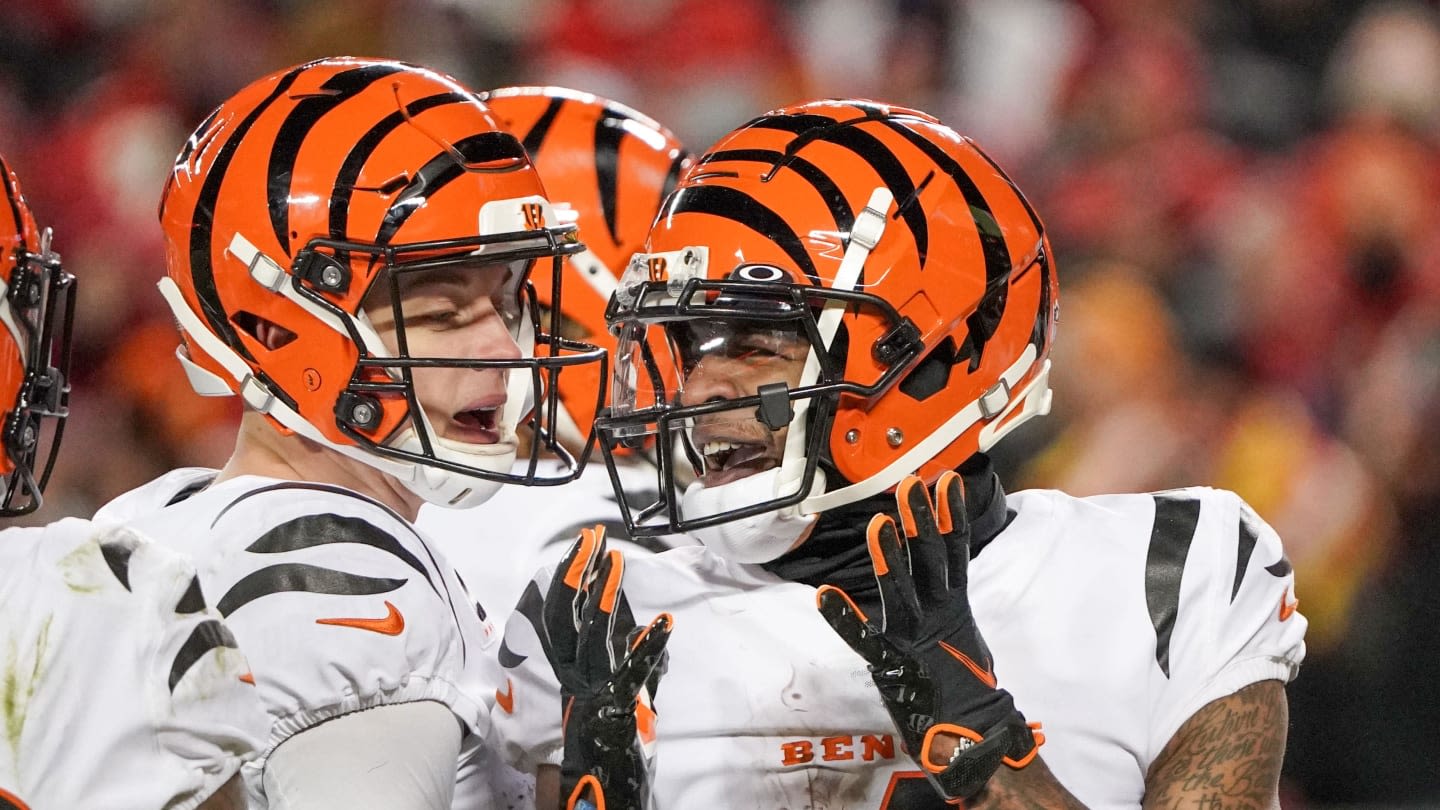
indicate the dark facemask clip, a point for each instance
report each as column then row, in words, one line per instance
column 774, row 410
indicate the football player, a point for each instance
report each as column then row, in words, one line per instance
column 605, row 168
column 119, row 687
column 349, row 250
column 857, row 302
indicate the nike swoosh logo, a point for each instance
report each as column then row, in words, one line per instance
column 506, row 699
column 986, row 676
column 1288, row 606
column 391, row 624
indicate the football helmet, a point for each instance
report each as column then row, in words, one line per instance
column 606, row 168
column 913, row 273
column 333, row 183
column 37, row 312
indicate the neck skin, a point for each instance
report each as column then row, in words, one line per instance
column 261, row 449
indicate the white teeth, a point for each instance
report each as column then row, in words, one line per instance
column 711, row 448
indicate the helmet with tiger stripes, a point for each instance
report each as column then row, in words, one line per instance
column 319, row 188
column 37, row 313
column 913, row 273
column 606, row 167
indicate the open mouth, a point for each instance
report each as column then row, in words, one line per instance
column 729, row 460
column 478, row 425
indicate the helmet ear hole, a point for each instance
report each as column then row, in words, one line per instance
column 267, row 333
column 931, row 374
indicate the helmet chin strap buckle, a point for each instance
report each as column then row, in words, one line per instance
column 992, row 403
column 775, row 410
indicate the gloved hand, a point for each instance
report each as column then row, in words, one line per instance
column 602, row 663
column 926, row 656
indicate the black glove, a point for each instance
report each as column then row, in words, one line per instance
column 602, row 663
column 927, row 658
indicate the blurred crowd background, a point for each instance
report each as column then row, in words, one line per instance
column 1242, row 196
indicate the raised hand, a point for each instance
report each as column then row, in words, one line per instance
column 926, row 655
column 602, row 662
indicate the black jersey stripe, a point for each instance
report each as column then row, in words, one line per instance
column 532, row 607
column 207, row 635
column 1175, row 520
column 541, row 128
column 1245, row 546
column 296, row 127
column 444, row 589
column 440, row 170
column 1280, row 568
column 193, row 600
column 834, row 198
column 737, row 206
column 202, row 226
column 309, row 531
column 116, row 553
column 365, row 146
column 298, row 577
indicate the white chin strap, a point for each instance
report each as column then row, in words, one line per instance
column 766, row 536
column 434, row 485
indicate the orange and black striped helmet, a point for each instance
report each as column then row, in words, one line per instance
column 319, row 185
column 606, row 167
column 37, row 313
column 913, row 266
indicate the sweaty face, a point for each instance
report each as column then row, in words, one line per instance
column 725, row 360
column 466, row 312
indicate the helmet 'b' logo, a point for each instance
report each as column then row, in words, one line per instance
column 657, row 268
column 534, row 216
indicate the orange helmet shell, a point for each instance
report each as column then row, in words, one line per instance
column 962, row 258
column 612, row 166
column 333, row 149
column 35, row 325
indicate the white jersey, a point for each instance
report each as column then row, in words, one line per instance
column 119, row 687
column 1111, row 620
column 499, row 545
column 339, row 604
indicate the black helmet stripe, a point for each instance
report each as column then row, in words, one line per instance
column 737, row 206
column 1034, row 218
column 672, row 177
column 992, row 240
column 609, row 132
column 364, row 147
column 840, row 208
column 438, row 171
column 297, row 125
column 194, row 140
column 892, row 172
column 202, row 226
column 536, row 136
column 999, row 265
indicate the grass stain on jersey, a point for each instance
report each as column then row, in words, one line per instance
column 84, row 570
column 18, row 681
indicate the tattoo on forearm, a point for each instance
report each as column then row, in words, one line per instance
column 1226, row 756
